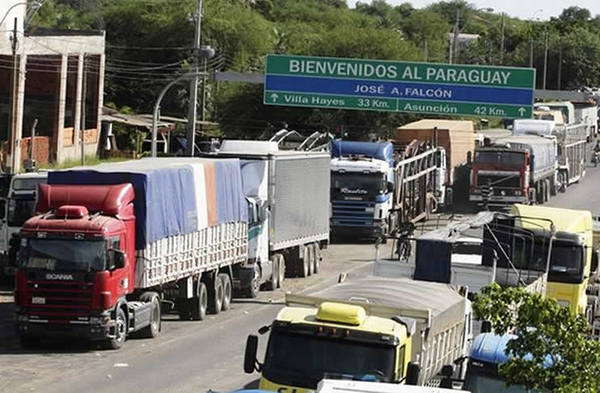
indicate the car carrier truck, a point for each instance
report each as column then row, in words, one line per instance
column 517, row 169
column 374, row 328
column 113, row 241
column 374, row 187
column 288, row 202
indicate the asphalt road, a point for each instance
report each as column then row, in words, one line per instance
column 193, row 356
column 186, row 357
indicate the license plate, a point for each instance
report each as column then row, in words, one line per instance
column 38, row 300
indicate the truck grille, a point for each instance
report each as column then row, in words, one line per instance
column 60, row 297
column 352, row 213
column 500, row 181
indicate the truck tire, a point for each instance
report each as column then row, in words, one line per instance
column 153, row 329
column 199, row 303
column 28, row 342
column 273, row 282
column 215, row 295
column 303, row 268
column 227, row 291
column 316, row 257
column 281, row 269
column 254, row 287
column 120, row 330
column 184, row 309
column 311, row 259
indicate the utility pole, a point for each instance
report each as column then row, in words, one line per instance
column 12, row 122
column 560, row 55
column 82, row 126
column 455, row 32
column 545, row 59
column 502, row 41
column 192, row 110
column 531, row 52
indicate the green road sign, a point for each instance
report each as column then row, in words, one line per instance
column 399, row 86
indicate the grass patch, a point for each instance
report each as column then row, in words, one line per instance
column 91, row 160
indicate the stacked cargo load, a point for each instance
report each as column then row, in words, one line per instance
column 191, row 215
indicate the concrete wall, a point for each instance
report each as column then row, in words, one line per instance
column 55, row 57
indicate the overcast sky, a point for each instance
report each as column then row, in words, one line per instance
column 524, row 9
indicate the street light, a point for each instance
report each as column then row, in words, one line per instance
column 35, row 5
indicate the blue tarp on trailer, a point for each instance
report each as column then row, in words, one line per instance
column 378, row 150
column 165, row 200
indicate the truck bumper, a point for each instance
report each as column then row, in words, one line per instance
column 84, row 330
column 349, row 228
column 499, row 199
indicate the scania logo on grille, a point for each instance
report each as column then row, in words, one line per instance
column 56, row 276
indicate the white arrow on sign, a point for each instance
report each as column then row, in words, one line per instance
column 522, row 111
column 274, row 97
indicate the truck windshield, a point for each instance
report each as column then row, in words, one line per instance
column 500, row 158
column 477, row 383
column 566, row 264
column 64, row 255
column 19, row 211
column 357, row 186
column 303, row 360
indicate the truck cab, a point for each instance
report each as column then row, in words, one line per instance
column 380, row 328
column 76, row 263
column 17, row 208
column 487, row 354
column 362, row 186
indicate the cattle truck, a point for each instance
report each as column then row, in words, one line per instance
column 288, row 202
column 517, row 169
column 375, row 188
column 18, row 207
column 111, row 242
column 371, row 328
column 457, row 137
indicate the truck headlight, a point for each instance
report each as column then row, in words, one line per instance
column 518, row 193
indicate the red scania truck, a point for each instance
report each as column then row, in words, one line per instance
column 110, row 243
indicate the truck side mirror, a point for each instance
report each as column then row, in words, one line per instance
column 486, row 326
column 412, row 373
column 250, row 354
column 390, row 186
column 116, row 259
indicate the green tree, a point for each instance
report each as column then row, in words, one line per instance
column 552, row 351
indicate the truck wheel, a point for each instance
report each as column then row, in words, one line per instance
column 227, row 291
column 199, row 303
column 254, row 287
column 184, row 309
column 281, row 260
column 153, row 329
column 311, row 259
column 273, row 283
column 302, row 267
column 28, row 342
column 215, row 296
column 316, row 257
column 120, row 330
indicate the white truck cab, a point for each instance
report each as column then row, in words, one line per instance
column 17, row 208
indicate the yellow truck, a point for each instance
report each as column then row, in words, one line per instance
column 367, row 328
column 573, row 257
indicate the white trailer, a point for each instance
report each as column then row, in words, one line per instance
column 288, row 198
